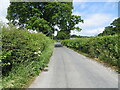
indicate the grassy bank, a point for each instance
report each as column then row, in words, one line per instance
column 24, row 55
column 105, row 48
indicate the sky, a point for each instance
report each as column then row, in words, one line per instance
column 96, row 14
column 3, row 10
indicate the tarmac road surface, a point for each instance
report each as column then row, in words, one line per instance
column 68, row 69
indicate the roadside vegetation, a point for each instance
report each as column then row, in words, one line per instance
column 24, row 55
column 104, row 47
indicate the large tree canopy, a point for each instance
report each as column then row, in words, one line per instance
column 114, row 28
column 43, row 16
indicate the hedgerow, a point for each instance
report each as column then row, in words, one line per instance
column 24, row 55
column 105, row 48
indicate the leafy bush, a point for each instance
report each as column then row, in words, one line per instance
column 24, row 54
column 105, row 48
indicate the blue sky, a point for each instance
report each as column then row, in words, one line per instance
column 96, row 14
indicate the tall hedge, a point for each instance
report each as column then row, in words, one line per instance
column 24, row 54
column 105, row 48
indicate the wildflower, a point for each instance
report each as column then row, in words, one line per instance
column 35, row 53
column 39, row 51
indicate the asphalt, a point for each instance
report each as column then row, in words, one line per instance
column 68, row 69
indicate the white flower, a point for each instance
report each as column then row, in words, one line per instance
column 38, row 55
column 39, row 51
column 35, row 53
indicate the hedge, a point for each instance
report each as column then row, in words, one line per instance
column 24, row 55
column 105, row 48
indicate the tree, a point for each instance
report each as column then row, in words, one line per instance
column 66, row 27
column 114, row 28
column 109, row 30
column 62, row 35
column 43, row 16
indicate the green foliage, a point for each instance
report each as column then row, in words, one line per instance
column 39, row 24
column 43, row 16
column 104, row 48
column 24, row 55
column 114, row 28
column 62, row 35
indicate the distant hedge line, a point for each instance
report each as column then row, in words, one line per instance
column 105, row 48
column 24, row 54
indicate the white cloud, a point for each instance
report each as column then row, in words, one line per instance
column 91, row 32
column 95, row 17
column 96, row 20
column 94, row 23
column 3, row 10
column 88, row 32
